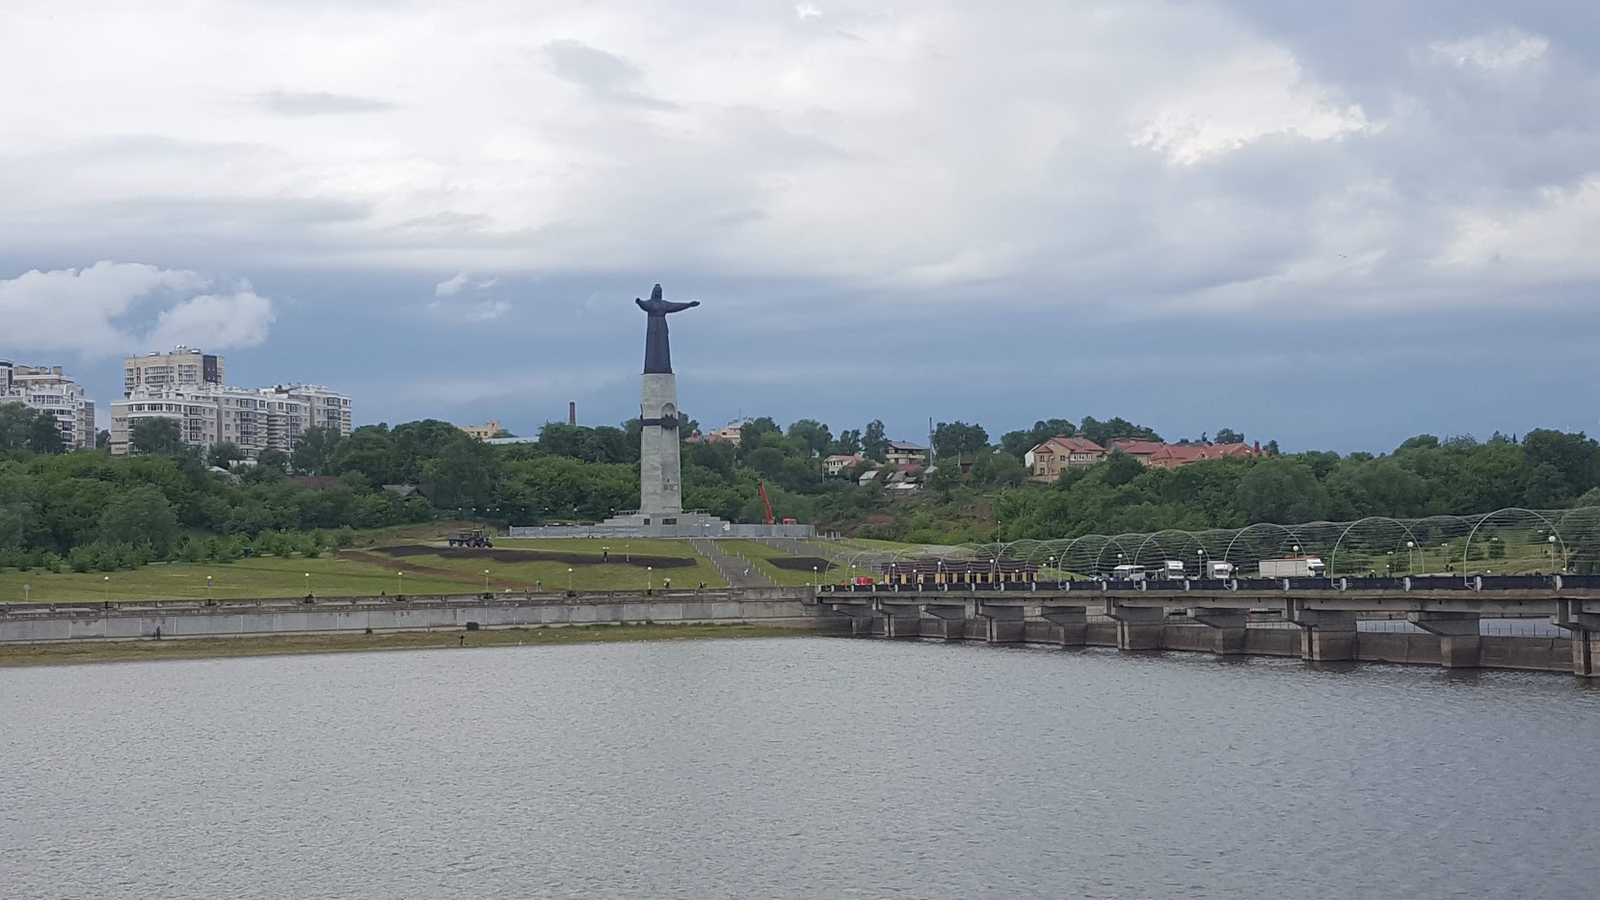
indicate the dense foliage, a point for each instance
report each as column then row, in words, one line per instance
column 88, row 510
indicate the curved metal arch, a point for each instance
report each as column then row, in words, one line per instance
column 1110, row 539
column 1228, row 553
column 1333, row 558
column 1467, row 547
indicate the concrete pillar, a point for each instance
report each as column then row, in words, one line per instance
column 1003, row 624
column 952, row 620
column 1228, row 629
column 1582, row 621
column 1324, row 636
column 902, row 624
column 1139, row 627
column 1072, row 623
column 1459, row 637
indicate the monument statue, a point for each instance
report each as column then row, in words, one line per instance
column 657, row 351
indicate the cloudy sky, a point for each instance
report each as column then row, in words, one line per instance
column 1334, row 224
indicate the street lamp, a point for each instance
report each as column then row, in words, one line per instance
column 107, row 580
column 815, row 577
column 569, row 579
column 1409, row 566
column 308, row 584
column 486, row 581
column 649, row 578
column 1050, row 563
column 399, row 584
column 1202, row 554
column 1119, row 565
column 1552, row 540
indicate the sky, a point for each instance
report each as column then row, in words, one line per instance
column 1335, row 225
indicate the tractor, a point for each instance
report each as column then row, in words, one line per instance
column 473, row 538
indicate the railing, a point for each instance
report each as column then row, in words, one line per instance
column 1476, row 583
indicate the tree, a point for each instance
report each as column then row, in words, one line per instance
column 811, row 436
column 138, row 516
column 1229, row 436
column 44, row 435
column 224, row 455
column 766, row 460
column 101, row 438
column 272, row 460
column 1102, row 432
column 156, row 434
column 1018, row 443
column 955, row 438
column 875, row 443
column 848, row 442
column 315, row 450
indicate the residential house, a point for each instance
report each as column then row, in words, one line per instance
column 1138, row 448
column 1171, row 456
column 902, row 453
column 838, row 463
column 1048, row 460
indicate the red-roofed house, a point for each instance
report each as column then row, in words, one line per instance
column 1139, row 448
column 1171, row 456
column 1048, row 460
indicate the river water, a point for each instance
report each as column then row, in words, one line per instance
column 798, row 767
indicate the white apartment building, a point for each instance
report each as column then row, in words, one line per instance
column 46, row 390
column 179, row 385
column 182, row 367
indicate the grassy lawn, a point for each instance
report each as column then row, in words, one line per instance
column 197, row 648
column 369, row 572
column 256, row 577
column 621, row 549
column 761, row 556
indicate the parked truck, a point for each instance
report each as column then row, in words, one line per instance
column 1221, row 570
column 1293, row 567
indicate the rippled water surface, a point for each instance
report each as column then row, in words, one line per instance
column 802, row 767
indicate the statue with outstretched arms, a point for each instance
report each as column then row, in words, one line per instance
column 657, row 351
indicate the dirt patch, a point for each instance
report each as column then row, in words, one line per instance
column 802, row 563
column 500, row 555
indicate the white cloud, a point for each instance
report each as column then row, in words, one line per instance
column 480, row 309
column 805, row 11
column 107, row 308
column 452, row 286
column 215, row 322
column 1259, row 94
column 1502, row 50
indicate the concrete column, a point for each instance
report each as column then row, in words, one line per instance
column 1139, row 627
column 902, row 624
column 1582, row 621
column 1003, row 624
column 1459, row 637
column 1324, row 636
column 1228, row 629
column 952, row 620
column 1073, row 622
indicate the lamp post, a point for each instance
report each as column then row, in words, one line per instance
column 1202, row 554
column 627, row 552
column 1552, row 541
column 208, row 587
column 816, row 577
column 649, row 578
column 1114, row 572
column 1409, row 567
column 107, row 581
column 486, row 581
column 1050, row 563
column 399, row 584
column 569, row 579
column 308, row 584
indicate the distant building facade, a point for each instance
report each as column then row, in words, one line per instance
column 833, row 465
column 186, row 386
column 482, row 432
column 1049, row 459
column 45, row 389
column 902, row 453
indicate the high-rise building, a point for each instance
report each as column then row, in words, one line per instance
column 46, row 390
column 182, row 367
column 186, row 385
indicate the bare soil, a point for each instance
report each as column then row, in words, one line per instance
column 802, row 563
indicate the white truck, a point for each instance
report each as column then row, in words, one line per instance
column 1293, row 567
column 1221, row 570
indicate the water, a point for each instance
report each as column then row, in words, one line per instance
column 803, row 767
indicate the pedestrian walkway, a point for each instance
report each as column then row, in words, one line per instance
column 739, row 573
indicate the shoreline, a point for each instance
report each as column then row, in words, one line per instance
column 87, row 652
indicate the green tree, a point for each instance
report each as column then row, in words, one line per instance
column 156, row 434
column 874, row 441
column 315, row 450
column 44, row 435
column 810, row 435
column 1229, row 436
column 141, row 515
column 224, row 455
column 272, row 460
column 1018, row 443
column 954, row 438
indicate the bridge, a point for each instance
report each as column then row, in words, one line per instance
column 1318, row 619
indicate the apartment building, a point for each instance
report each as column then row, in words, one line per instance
column 45, row 389
column 182, row 367
column 186, row 385
column 483, row 432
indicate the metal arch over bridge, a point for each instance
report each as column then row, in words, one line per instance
column 1510, row 541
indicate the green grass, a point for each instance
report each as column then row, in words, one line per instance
column 366, row 572
column 620, row 549
column 760, row 556
column 196, row 648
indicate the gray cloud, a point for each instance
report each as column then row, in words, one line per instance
column 605, row 76
column 318, row 103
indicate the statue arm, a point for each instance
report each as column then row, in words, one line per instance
column 679, row 307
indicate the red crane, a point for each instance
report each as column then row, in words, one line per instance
column 764, row 501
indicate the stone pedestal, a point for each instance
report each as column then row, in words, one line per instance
column 660, row 471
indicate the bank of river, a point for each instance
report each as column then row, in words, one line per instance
column 271, row 645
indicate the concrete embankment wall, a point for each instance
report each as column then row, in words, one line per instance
column 775, row 606
column 1542, row 654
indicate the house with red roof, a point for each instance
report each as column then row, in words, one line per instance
column 1048, row 460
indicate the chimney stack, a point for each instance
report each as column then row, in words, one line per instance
column 572, row 412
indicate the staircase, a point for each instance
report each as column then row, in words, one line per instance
column 736, row 571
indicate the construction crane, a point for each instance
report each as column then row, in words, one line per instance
column 764, row 501
column 768, row 505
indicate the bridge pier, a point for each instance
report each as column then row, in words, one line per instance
column 1003, row 623
column 1139, row 627
column 1073, row 621
column 1228, row 626
column 1324, row 636
column 1460, row 638
column 952, row 619
column 902, row 619
column 1581, row 619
